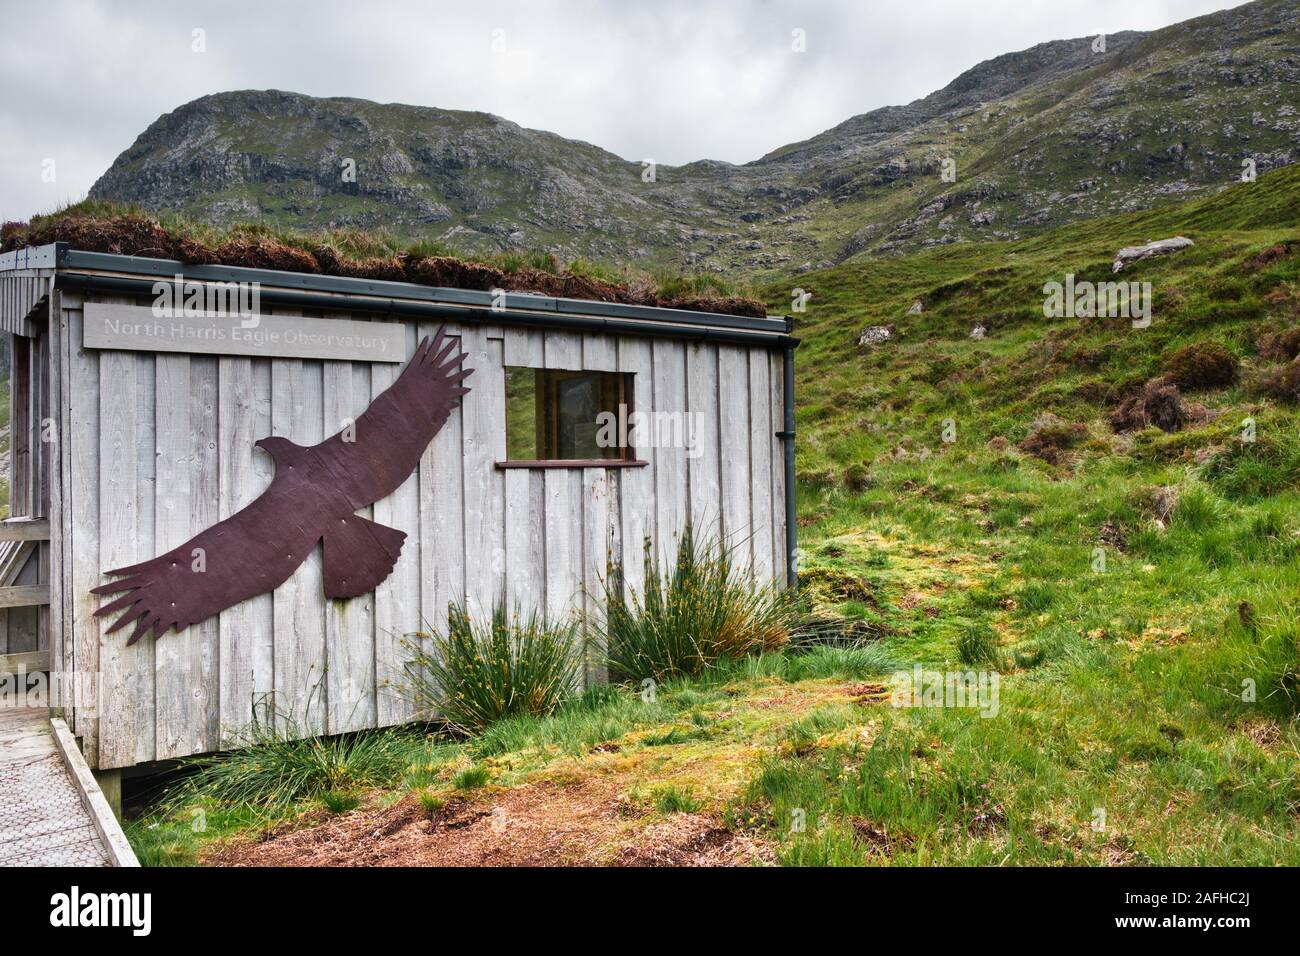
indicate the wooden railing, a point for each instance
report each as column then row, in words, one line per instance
column 25, row 529
column 25, row 595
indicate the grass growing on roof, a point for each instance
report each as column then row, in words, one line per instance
column 98, row 226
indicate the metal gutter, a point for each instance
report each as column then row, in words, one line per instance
column 460, row 312
column 75, row 260
column 30, row 257
column 787, row 437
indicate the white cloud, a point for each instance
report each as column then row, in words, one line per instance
column 676, row 80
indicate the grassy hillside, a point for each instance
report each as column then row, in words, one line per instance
column 1122, row 687
column 856, row 402
column 1135, row 590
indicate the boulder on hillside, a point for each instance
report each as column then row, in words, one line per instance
column 1161, row 247
column 876, row 335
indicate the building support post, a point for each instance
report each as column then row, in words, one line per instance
column 110, row 782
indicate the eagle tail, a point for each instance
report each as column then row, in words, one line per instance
column 359, row 554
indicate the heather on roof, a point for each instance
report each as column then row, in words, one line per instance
column 100, row 227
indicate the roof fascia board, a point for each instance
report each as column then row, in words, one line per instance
column 31, row 257
column 74, row 259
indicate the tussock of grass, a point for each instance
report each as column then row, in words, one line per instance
column 977, row 645
column 701, row 612
column 805, row 731
column 576, row 727
column 676, row 800
column 850, row 663
column 431, row 802
column 473, row 674
column 471, row 778
column 337, row 802
column 274, row 772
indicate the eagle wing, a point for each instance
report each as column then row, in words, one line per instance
column 252, row 552
column 370, row 460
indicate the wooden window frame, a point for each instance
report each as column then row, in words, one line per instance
column 627, row 457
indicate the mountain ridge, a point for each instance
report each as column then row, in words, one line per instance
column 1038, row 137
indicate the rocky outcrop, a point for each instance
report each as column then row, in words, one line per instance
column 874, row 335
column 1161, row 247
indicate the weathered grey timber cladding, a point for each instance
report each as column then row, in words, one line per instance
column 156, row 446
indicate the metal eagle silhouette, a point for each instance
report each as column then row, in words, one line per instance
column 312, row 498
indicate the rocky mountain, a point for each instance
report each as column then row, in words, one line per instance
column 1062, row 131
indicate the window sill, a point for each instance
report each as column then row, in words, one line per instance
column 577, row 463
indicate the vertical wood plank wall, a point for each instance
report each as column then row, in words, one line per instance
column 160, row 446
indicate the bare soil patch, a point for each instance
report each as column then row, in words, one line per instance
column 587, row 823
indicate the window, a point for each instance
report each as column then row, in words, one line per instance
column 556, row 418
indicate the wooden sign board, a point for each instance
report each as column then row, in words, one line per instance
column 138, row 328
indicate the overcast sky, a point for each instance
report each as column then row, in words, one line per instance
column 672, row 80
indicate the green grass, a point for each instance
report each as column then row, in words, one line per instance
column 471, row 778
column 339, row 802
column 472, row 674
column 1160, row 687
column 1138, row 598
column 431, row 802
column 978, row 644
column 681, row 718
column 867, row 660
column 273, row 773
column 806, row 731
column 576, row 727
column 690, row 616
column 676, row 800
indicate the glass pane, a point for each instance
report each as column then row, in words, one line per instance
column 577, row 403
column 554, row 415
column 521, row 413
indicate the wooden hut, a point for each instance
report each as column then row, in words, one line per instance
column 134, row 429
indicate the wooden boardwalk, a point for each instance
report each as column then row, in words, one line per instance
column 45, row 817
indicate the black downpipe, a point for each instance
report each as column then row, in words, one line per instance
column 791, row 509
